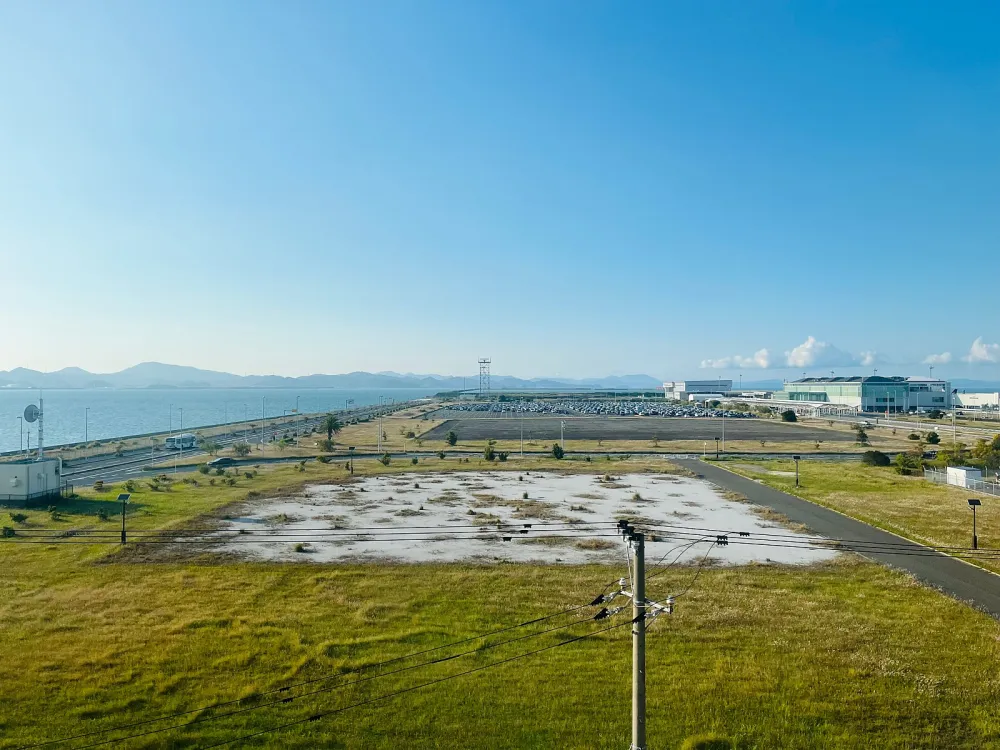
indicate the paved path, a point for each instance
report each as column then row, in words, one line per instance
column 960, row 579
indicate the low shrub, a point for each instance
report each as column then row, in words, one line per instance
column 18, row 517
column 875, row 458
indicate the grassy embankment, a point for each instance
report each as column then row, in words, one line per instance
column 766, row 656
column 912, row 507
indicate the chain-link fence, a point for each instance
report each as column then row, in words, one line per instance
column 976, row 485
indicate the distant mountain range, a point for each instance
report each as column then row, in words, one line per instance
column 158, row 375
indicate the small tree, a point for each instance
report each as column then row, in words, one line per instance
column 451, row 438
column 789, row 416
column 933, row 438
column 386, row 459
column 441, row 455
column 557, row 451
column 210, row 447
column 241, row 449
column 488, row 453
column 860, row 435
column 935, row 414
column 332, row 426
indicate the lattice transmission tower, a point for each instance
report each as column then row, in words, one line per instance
column 484, row 377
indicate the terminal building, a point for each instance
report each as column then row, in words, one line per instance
column 891, row 395
column 696, row 390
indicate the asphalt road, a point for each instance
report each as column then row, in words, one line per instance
column 960, row 579
column 129, row 466
column 632, row 428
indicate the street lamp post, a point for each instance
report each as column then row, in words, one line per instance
column 974, row 503
column 263, row 422
column 796, row 458
column 562, row 434
column 86, row 427
column 21, row 427
column 717, row 449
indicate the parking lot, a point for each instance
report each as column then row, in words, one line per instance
column 587, row 408
column 618, row 428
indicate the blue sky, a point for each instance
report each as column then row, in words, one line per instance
column 571, row 188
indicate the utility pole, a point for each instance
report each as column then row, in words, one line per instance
column 124, row 498
column 522, row 435
column 639, row 644
column 562, row 435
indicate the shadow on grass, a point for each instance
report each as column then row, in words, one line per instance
column 74, row 506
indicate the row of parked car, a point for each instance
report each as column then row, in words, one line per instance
column 598, row 408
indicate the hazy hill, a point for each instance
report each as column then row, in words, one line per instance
column 154, row 374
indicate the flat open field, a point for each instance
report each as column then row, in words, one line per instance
column 912, row 507
column 632, row 428
column 842, row 654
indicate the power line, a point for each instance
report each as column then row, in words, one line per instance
column 164, row 717
column 324, row 714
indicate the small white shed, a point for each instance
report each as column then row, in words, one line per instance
column 964, row 476
column 25, row 480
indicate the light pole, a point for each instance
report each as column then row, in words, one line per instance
column 796, row 458
column 171, row 418
column 974, row 503
column 562, row 434
column 263, row 422
column 246, row 423
column 297, row 404
column 717, row 449
column 21, row 427
column 86, row 427
column 522, row 435
column 723, row 427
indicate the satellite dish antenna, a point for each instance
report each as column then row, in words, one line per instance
column 30, row 413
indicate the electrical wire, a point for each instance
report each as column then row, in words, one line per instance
column 368, row 701
column 658, row 570
column 164, row 717
column 331, row 688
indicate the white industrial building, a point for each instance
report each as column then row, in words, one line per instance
column 680, row 390
column 977, row 401
column 28, row 479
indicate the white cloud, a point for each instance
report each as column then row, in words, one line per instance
column 813, row 353
column 761, row 360
column 938, row 359
column 981, row 352
column 869, row 358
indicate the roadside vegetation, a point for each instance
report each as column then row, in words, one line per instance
column 881, row 495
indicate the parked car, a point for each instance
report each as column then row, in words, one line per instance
column 223, row 461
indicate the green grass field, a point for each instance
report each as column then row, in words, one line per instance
column 933, row 514
column 843, row 655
